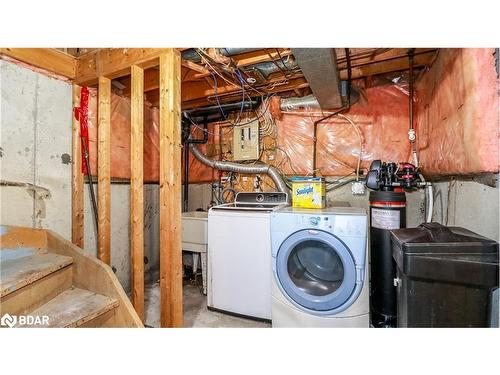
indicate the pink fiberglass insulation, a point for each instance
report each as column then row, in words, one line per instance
column 120, row 138
column 457, row 118
column 381, row 115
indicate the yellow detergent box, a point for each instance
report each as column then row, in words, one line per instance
column 308, row 192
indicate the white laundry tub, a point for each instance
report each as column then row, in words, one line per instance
column 195, row 239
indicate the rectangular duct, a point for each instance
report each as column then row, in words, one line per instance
column 319, row 66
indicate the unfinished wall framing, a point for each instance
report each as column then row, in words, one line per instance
column 101, row 68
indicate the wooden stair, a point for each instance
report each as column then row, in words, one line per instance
column 56, row 279
column 74, row 308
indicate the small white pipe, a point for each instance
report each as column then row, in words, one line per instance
column 430, row 201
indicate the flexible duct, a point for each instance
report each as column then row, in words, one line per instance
column 310, row 102
column 303, row 102
column 228, row 166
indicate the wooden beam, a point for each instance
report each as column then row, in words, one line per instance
column 170, row 190
column 136, row 189
column 193, row 66
column 251, row 58
column 114, row 63
column 104, row 170
column 202, row 99
column 151, row 80
column 388, row 66
column 50, row 59
column 256, row 57
column 299, row 83
column 367, row 59
column 77, row 227
column 202, row 91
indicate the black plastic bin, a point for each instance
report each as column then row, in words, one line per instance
column 445, row 276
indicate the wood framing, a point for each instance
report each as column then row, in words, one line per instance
column 104, row 170
column 50, row 59
column 388, row 66
column 114, row 62
column 170, row 190
column 77, row 227
column 136, row 189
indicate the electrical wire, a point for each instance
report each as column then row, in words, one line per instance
column 360, row 137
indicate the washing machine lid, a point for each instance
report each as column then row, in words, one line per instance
column 316, row 270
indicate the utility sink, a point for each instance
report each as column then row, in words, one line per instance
column 195, row 239
column 194, row 231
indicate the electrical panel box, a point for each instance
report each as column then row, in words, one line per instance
column 246, row 141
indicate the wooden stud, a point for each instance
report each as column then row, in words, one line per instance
column 77, row 224
column 170, row 190
column 104, row 170
column 136, row 189
column 50, row 59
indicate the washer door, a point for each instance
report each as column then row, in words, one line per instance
column 316, row 270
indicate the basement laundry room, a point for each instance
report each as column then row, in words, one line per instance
column 249, row 187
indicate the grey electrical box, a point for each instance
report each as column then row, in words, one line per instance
column 246, row 141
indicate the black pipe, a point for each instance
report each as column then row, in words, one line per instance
column 188, row 140
column 205, row 133
column 185, row 201
column 91, row 184
column 196, row 113
column 344, row 108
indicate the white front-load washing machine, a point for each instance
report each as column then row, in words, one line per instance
column 320, row 267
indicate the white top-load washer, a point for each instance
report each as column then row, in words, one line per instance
column 239, row 255
column 320, row 267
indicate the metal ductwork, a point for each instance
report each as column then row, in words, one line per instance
column 264, row 68
column 319, row 66
column 267, row 68
column 236, row 51
column 228, row 166
column 295, row 103
column 303, row 102
column 192, row 55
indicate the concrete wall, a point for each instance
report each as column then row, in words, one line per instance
column 468, row 204
column 35, row 141
column 200, row 195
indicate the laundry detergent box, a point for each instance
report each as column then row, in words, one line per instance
column 308, row 192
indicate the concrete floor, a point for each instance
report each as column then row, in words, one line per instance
column 196, row 313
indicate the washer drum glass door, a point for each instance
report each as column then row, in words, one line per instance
column 316, row 270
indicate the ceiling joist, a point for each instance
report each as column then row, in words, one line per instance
column 50, row 59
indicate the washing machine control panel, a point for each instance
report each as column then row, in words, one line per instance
column 314, row 220
column 339, row 224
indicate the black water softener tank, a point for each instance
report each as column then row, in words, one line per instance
column 445, row 277
column 387, row 212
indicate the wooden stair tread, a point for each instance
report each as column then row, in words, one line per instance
column 74, row 307
column 21, row 267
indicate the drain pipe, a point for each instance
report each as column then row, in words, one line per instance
column 187, row 142
column 228, row 166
